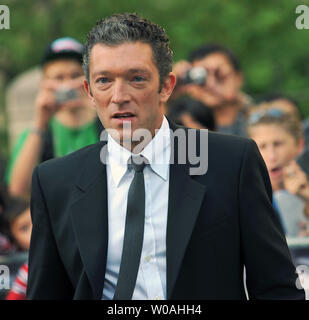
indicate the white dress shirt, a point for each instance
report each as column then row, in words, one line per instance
column 151, row 278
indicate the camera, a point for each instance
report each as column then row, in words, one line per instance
column 65, row 94
column 196, row 75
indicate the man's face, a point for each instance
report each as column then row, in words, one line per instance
column 65, row 75
column 223, row 82
column 63, row 70
column 124, row 86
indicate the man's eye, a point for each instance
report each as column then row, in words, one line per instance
column 138, row 79
column 102, row 80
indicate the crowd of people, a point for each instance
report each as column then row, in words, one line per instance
column 274, row 122
column 65, row 121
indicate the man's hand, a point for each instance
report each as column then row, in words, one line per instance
column 46, row 104
column 295, row 180
column 181, row 67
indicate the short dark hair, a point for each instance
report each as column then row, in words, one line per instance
column 205, row 50
column 129, row 27
column 195, row 108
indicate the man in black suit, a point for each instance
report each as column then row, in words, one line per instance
column 199, row 227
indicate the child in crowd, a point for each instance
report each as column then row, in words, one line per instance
column 6, row 246
column 18, row 226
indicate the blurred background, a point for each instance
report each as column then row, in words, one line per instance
column 274, row 54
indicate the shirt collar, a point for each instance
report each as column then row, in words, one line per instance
column 157, row 152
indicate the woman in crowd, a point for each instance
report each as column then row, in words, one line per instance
column 279, row 136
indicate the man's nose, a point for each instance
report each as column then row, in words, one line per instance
column 120, row 94
column 210, row 81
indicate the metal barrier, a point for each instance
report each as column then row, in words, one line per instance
column 299, row 248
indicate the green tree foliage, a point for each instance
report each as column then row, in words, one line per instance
column 274, row 54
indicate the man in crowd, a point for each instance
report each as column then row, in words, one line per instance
column 64, row 120
column 112, row 222
column 222, row 88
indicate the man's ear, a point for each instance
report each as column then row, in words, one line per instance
column 167, row 87
column 88, row 90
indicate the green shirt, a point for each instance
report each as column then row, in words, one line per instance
column 65, row 141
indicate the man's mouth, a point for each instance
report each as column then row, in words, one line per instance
column 124, row 115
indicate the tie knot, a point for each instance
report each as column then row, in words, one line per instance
column 137, row 163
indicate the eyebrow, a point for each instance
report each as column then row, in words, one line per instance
column 130, row 71
column 220, row 67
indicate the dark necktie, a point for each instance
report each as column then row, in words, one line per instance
column 134, row 232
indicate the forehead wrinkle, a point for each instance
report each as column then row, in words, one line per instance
column 140, row 62
column 130, row 71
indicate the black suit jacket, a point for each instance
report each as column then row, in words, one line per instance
column 217, row 223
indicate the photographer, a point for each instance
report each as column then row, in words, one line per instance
column 63, row 120
column 221, row 88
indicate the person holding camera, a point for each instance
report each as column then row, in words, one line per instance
column 213, row 76
column 63, row 120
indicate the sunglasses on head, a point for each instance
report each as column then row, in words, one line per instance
column 271, row 113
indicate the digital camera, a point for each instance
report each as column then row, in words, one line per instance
column 196, row 75
column 65, row 94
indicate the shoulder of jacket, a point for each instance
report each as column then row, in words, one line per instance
column 69, row 163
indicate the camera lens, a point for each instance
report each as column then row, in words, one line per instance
column 197, row 75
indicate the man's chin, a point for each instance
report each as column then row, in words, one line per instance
column 131, row 139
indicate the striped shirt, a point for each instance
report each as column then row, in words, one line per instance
column 19, row 288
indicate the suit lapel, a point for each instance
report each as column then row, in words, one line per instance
column 185, row 198
column 89, row 218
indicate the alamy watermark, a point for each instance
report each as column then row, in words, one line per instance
column 4, row 17
column 302, row 21
column 4, row 277
column 302, row 281
column 188, row 146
